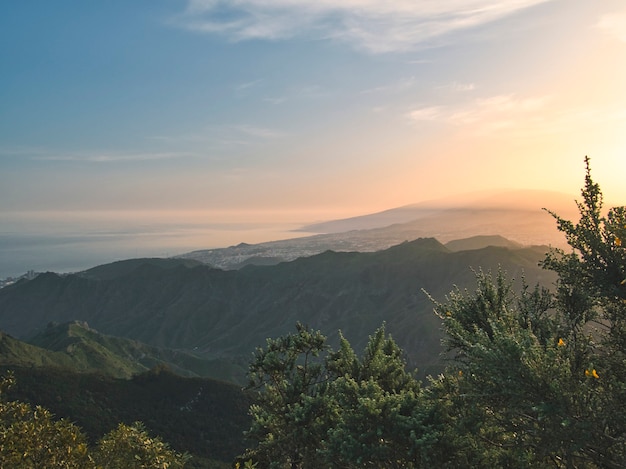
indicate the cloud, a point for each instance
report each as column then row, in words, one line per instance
column 396, row 87
column 112, row 157
column 371, row 25
column 485, row 115
column 303, row 92
column 275, row 100
column 258, row 132
column 498, row 107
column 459, row 87
column 219, row 135
column 46, row 154
column 431, row 113
column 246, row 85
column 512, row 115
column 614, row 24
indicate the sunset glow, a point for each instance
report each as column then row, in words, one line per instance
column 311, row 109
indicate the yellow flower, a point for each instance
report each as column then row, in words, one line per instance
column 448, row 313
column 618, row 241
column 592, row 373
column 561, row 343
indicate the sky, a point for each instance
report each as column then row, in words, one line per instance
column 294, row 109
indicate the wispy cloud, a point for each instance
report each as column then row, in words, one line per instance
column 519, row 116
column 259, row 132
column 222, row 135
column 275, row 100
column 396, row 87
column 246, row 88
column 110, row 157
column 371, row 25
column 246, row 85
column 614, row 24
column 459, row 87
column 484, row 115
column 296, row 93
column 500, row 107
column 48, row 154
column 428, row 113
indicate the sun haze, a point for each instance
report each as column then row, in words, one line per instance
column 320, row 109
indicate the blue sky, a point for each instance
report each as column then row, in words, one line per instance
column 332, row 108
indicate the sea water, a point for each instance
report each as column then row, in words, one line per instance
column 74, row 241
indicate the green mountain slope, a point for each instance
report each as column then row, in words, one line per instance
column 224, row 315
column 14, row 352
column 75, row 346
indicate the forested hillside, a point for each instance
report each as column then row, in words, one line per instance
column 223, row 315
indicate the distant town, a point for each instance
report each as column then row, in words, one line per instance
column 5, row 282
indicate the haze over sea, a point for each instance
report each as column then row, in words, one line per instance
column 74, row 241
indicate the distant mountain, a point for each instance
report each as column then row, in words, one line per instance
column 478, row 202
column 515, row 215
column 224, row 315
column 480, row 242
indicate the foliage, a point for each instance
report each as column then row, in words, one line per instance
column 291, row 375
column 130, row 447
column 316, row 407
column 375, row 401
column 31, row 438
column 535, row 378
column 203, row 417
column 539, row 376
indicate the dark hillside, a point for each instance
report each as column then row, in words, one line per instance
column 479, row 242
column 129, row 266
column 226, row 314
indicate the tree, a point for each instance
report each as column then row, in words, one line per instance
column 290, row 378
column 381, row 412
column 592, row 288
column 321, row 408
column 130, row 447
column 538, row 377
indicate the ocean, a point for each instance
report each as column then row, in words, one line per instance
column 74, row 241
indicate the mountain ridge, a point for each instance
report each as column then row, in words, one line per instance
column 521, row 225
column 223, row 315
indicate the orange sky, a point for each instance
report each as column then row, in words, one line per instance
column 307, row 111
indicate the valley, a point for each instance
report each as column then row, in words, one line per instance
column 196, row 319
